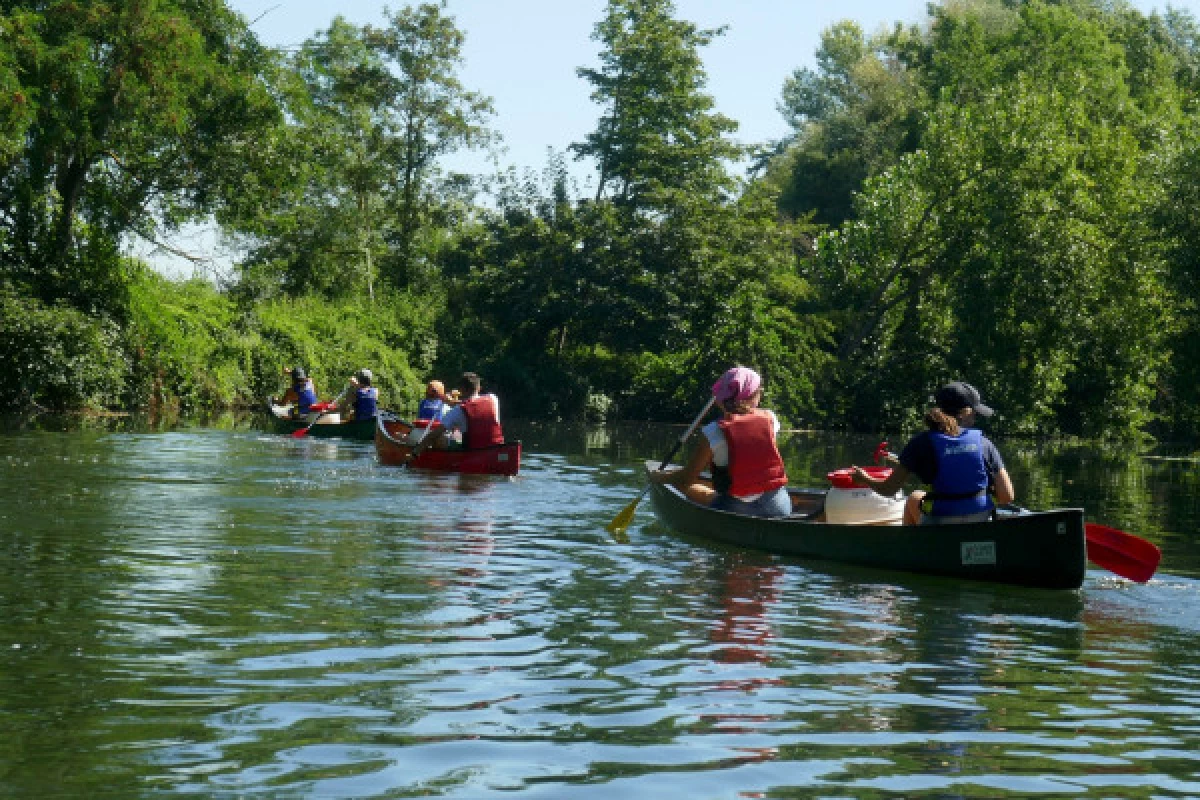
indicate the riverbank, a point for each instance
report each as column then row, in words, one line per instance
column 186, row 347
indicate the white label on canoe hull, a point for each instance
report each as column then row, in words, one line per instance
column 502, row 456
column 978, row 553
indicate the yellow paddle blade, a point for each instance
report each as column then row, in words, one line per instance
column 621, row 522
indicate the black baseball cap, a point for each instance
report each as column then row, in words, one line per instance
column 954, row 397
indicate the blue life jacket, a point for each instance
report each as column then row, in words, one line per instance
column 306, row 395
column 431, row 409
column 364, row 402
column 961, row 484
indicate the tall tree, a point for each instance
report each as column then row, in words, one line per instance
column 1014, row 245
column 129, row 106
column 431, row 114
column 15, row 105
column 853, row 117
column 371, row 111
column 665, row 274
column 658, row 132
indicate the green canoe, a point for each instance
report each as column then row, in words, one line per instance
column 1033, row 548
column 282, row 421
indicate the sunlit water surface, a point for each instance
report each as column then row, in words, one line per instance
column 223, row 612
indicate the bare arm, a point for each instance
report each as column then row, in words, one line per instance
column 887, row 486
column 698, row 461
column 344, row 402
column 1003, row 488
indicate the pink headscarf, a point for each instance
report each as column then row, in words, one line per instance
column 737, row 384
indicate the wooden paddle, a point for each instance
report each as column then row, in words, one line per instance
column 621, row 522
column 1121, row 553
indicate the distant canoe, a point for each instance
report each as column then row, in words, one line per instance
column 392, row 446
column 1036, row 548
column 328, row 427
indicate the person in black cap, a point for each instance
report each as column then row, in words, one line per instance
column 962, row 467
column 302, row 394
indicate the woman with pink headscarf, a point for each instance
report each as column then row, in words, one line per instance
column 739, row 450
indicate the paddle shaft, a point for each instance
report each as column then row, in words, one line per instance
column 678, row 444
column 300, row 433
column 686, row 434
column 416, row 447
column 625, row 516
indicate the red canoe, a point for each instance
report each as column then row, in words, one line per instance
column 391, row 445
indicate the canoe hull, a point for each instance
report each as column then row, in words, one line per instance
column 282, row 422
column 1043, row 548
column 391, row 448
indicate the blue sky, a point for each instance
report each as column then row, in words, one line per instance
column 524, row 53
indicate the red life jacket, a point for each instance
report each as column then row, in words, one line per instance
column 483, row 429
column 755, row 465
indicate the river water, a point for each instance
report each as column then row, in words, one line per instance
column 216, row 611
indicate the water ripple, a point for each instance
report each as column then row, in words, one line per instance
column 223, row 614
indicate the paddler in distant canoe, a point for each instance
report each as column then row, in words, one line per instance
column 740, row 451
column 359, row 400
column 434, row 406
column 962, row 467
column 476, row 419
column 429, row 412
column 302, row 394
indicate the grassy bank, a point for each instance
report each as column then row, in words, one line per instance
column 185, row 346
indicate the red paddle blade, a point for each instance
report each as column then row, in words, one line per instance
column 299, row 433
column 1122, row 553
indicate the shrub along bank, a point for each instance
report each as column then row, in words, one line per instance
column 186, row 346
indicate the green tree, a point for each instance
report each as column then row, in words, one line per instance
column 433, row 114
column 1179, row 219
column 853, row 117
column 658, row 132
column 561, row 319
column 536, row 274
column 15, row 105
column 122, row 110
column 370, row 112
column 677, row 275
column 1013, row 247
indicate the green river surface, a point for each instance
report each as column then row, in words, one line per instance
column 212, row 610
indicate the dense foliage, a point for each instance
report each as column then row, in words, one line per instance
column 1006, row 192
column 122, row 117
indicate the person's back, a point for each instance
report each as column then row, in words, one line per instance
column 476, row 419
column 963, row 469
column 960, row 483
column 483, row 429
column 753, row 464
column 366, row 396
column 302, row 391
column 433, row 406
